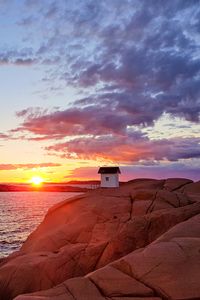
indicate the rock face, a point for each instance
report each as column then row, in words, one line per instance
column 140, row 241
column 168, row 268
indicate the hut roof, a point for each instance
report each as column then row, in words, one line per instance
column 109, row 170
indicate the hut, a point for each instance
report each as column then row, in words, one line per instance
column 109, row 176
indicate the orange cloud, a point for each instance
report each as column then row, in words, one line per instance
column 4, row 167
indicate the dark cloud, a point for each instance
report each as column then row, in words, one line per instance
column 157, row 68
column 75, row 121
column 24, row 57
column 24, row 62
column 149, row 53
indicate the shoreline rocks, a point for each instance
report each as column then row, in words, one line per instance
column 93, row 234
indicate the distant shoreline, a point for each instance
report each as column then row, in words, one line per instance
column 45, row 191
column 51, row 187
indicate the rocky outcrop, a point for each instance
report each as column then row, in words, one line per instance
column 168, row 268
column 128, row 242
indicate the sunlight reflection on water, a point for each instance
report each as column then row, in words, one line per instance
column 20, row 213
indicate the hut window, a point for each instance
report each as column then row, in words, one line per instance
column 107, row 178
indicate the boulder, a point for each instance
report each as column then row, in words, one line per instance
column 192, row 188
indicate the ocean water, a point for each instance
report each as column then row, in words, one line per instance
column 20, row 213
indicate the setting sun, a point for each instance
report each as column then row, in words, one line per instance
column 36, row 180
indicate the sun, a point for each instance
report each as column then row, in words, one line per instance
column 36, row 180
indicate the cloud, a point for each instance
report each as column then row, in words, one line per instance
column 146, row 56
column 142, row 49
column 96, row 133
column 151, row 59
column 128, row 149
column 24, row 62
column 75, row 121
column 24, row 57
column 5, row 167
column 104, row 134
column 3, row 136
column 129, row 62
column 135, row 66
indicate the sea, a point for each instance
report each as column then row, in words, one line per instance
column 21, row 213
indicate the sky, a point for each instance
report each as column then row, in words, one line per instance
column 92, row 83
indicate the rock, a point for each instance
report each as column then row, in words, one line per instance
column 148, row 200
column 138, row 184
column 71, row 289
column 114, row 283
column 192, row 188
column 141, row 231
column 168, row 268
column 88, row 232
column 170, row 265
column 174, row 184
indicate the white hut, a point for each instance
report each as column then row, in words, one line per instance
column 109, row 176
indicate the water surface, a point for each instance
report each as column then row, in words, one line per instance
column 20, row 213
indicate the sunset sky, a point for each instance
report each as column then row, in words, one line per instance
column 91, row 83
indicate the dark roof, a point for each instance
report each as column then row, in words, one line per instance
column 109, row 170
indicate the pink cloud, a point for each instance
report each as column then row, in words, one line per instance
column 127, row 149
column 3, row 136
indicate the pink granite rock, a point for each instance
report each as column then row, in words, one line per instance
column 192, row 188
column 88, row 232
column 168, row 268
column 174, row 184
